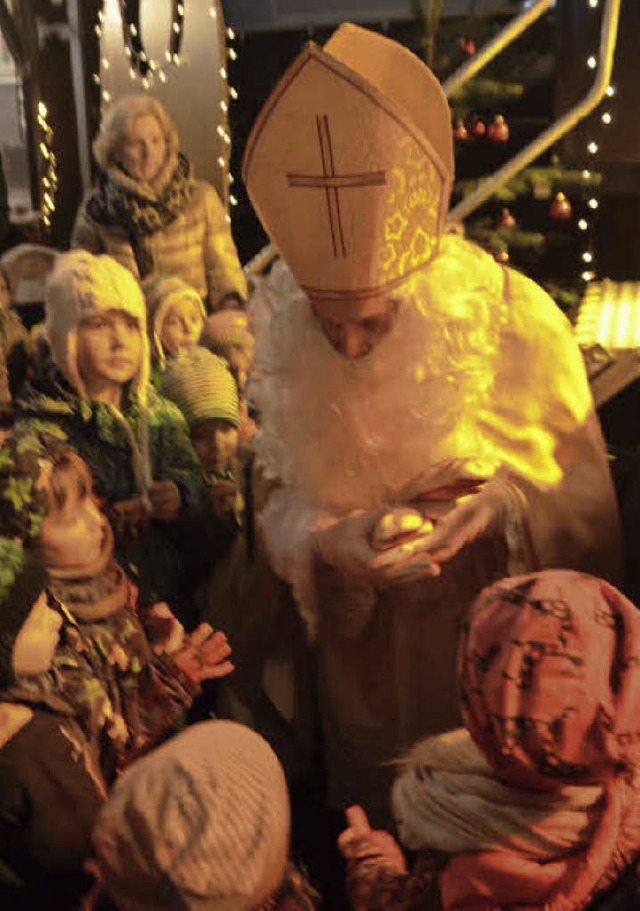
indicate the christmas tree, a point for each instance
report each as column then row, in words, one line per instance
column 539, row 221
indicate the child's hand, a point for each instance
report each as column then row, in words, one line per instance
column 129, row 517
column 205, row 655
column 165, row 500
column 222, row 496
column 164, row 631
column 360, row 844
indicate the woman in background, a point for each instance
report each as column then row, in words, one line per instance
column 150, row 213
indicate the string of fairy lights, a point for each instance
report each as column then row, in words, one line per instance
column 603, row 119
column 145, row 70
column 48, row 175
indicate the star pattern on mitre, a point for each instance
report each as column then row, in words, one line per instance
column 395, row 227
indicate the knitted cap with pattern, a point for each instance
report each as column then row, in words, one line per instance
column 160, row 292
column 80, row 286
column 200, row 823
column 22, row 581
column 202, row 387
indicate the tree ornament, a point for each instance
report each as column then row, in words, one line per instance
column 506, row 219
column 477, row 127
column 560, row 208
column 468, row 46
column 498, row 130
column 460, row 131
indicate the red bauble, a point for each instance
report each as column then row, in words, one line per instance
column 460, row 131
column 506, row 219
column 498, row 131
column 560, row 209
column 477, row 127
column 468, row 45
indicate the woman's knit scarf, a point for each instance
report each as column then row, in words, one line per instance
column 129, row 204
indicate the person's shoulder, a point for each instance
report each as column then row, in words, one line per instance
column 161, row 410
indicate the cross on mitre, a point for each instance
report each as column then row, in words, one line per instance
column 332, row 182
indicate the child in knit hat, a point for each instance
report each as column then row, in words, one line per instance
column 175, row 317
column 201, row 823
column 227, row 334
column 46, row 763
column 97, row 394
column 202, row 387
column 130, row 676
column 536, row 802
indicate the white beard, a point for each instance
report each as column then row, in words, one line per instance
column 424, row 407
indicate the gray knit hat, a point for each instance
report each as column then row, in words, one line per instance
column 225, row 330
column 200, row 823
column 201, row 386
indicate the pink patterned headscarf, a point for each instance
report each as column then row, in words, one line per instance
column 550, row 690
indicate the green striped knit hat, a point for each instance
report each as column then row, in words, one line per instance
column 201, row 386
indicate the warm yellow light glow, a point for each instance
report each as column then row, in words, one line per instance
column 606, row 118
column 593, row 203
column 610, row 315
column 583, row 224
column 610, row 91
column 592, row 62
column 592, row 148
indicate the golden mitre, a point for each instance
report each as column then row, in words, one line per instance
column 350, row 165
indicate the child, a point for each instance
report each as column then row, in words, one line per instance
column 175, row 317
column 97, row 394
column 536, row 804
column 50, row 783
column 204, row 390
column 129, row 693
column 227, row 334
column 201, row 823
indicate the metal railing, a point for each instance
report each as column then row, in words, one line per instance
column 608, row 36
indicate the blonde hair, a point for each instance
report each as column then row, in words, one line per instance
column 115, row 127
